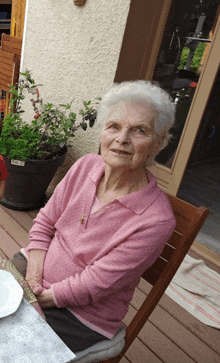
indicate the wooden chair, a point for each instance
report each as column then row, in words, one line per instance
column 189, row 220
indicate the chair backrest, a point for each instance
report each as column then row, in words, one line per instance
column 9, row 70
column 11, row 44
column 189, row 220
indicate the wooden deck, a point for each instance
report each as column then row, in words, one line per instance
column 171, row 335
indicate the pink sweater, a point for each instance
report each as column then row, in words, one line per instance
column 94, row 267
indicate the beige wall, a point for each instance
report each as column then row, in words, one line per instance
column 73, row 51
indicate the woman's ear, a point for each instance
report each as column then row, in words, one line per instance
column 156, row 145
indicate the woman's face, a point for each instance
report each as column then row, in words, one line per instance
column 127, row 138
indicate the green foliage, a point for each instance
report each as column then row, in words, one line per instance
column 183, row 57
column 196, row 58
column 47, row 134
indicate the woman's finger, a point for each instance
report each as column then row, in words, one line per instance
column 37, row 289
column 46, row 299
column 35, row 286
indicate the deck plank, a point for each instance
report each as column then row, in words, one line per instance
column 178, row 333
column 124, row 360
column 7, row 244
column 210, row 336
column 139, row 353
column 13, row 228
column 2, row 254
column 182, row 337
column 154, row 339
column 33, row 213
column 23, row 218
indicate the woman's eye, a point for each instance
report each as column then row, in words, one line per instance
column 139, row 130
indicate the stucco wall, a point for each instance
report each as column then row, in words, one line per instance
column 73, row 51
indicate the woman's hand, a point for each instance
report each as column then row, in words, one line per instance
column 35, row 270
column 35, row 284
column 45, row 299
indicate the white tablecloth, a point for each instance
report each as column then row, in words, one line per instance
column 25, row 337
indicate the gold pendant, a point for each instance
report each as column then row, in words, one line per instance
column 82, row 219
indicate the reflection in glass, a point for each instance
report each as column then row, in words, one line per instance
column 184, row 48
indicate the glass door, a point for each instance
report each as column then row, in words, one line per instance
column 186, row 67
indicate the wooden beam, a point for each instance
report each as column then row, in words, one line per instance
column 143, row 33
column 18, row 13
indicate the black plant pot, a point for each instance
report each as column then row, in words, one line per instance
column 26, row 185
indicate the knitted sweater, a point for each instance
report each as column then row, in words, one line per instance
column 94, row 267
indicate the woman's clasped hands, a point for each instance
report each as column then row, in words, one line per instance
column 34, row 279
column 44, row 296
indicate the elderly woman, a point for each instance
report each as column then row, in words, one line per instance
column 106, row 222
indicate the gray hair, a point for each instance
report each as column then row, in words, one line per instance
column 147, row 93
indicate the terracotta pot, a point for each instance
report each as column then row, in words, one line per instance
column 26, row 185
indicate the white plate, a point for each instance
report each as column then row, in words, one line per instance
column 11, row 294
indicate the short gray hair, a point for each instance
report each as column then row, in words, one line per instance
column 147, row 93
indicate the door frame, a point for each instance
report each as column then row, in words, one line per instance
column 170, row 179
column 143, row 34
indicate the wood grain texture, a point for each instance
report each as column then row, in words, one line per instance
column 18, row 13
column 11, row 45
column 13, row 229
column 9, row 69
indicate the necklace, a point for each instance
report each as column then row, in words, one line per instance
column 100, row 210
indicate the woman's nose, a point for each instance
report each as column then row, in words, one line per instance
column 123, row 136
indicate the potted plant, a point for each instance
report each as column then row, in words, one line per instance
column 33, row 151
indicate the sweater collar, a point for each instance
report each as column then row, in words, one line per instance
column 137, row 201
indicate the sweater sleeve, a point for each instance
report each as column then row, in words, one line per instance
column 114, row 271
column 43, row 228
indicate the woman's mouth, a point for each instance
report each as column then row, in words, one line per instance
column 120, row 152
